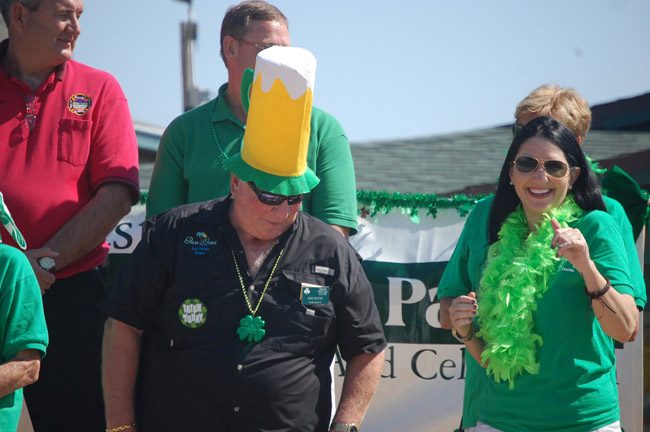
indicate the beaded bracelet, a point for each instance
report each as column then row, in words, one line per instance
column 123, row 427
column 598, row 294
column 464, row 339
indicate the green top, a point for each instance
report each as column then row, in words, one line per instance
column 623, row 188
column 189, row 164
column 616, row 211
column 575, row 389
column 463, row 272
column 22, row 323
column 462, row 275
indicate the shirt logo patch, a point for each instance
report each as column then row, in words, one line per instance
column 193, row 313
column 79, row 104
column 200, row 243
column 566, row 266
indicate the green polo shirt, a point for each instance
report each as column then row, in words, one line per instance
column 462, row 275
column 189, row 163
column 575, row 389
column 617, row 212
column 22, row 323
column 463, row 272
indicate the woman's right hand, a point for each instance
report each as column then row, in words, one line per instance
column 462, row 312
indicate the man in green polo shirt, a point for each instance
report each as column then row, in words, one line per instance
column 189, row 165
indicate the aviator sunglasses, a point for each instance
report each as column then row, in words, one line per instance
column 272, row 199
column 528, row 164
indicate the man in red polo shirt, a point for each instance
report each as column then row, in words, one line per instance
column 69, row 172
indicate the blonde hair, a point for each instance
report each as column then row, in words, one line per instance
column 563, row 104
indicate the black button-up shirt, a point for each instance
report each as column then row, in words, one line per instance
column 182, row 289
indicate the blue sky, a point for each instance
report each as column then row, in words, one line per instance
column 391, row 69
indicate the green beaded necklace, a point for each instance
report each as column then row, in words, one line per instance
column 224, row 156
column 251, row 327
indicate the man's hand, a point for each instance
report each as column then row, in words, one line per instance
column 90, row 226
column 44, row 277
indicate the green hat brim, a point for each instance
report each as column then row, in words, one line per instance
column 279, row 185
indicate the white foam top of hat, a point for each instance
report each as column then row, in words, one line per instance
column 295, row 67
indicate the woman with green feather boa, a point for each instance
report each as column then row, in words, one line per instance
column 554, row 293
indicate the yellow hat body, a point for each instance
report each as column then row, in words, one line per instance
column 277, row 130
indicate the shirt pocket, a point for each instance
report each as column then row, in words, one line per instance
column 191, row 309
column 74, row 141
column 291, row 326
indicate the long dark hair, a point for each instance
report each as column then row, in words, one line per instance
column 585, row 191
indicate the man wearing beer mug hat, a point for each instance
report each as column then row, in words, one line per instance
column 237, row 306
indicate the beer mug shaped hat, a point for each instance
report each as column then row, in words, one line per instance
column 10, row 225
column 274, row 147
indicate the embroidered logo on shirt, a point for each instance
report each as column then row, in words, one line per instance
column 566, row 266
column 199, row 243
column 193, row 313
column 79, row 103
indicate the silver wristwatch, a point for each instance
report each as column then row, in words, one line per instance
column 46, row 263
column 345, row 427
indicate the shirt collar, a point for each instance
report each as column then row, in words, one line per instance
column 220, row 109
column 219, row 215
column 215, row 212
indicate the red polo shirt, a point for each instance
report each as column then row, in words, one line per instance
column 58, row 145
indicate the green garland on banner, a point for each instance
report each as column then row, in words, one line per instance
column 373, row 203
column 382, row 202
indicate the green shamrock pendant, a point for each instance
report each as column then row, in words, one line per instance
column 251, row 328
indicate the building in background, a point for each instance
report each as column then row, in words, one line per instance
column 469, row 162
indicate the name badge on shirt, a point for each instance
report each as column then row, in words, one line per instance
column 314, row 294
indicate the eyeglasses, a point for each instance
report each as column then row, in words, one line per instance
column 516, row 127
column 528, row 164
column 272, row 199
column 30, row 111
column 260, row 47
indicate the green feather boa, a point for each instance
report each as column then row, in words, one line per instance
column 516, row 275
